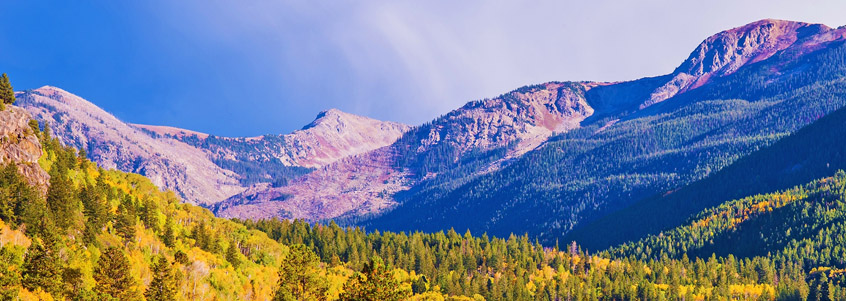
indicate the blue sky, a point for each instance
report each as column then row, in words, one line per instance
column 245, row 68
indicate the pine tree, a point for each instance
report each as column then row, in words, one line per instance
column 125, row 222
column 114, row 276
column 150, row 215
column 168, row 237
column 375, row 282
column 61, row 200
column 233, row 254
column 299, row 276
column 7, row 93
column 42, row 270
column 164, row 285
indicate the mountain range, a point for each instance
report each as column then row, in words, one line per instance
column 546, row 160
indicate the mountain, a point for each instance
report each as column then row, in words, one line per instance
column 634, row 147
column 202, row 168
column 477, row 137
column 106, row 234
column 814, row 152
column 546, row 159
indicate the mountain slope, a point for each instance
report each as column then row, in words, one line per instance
column 474, row 138
column 19, row 146
column 203, row 169
column 643, row 148
column 616, row 143
column 813, row 152
column 115, row 144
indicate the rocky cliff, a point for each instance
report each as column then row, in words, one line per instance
column 203, row 169
column 516, row 122
column 724, row 53
column 20, row 146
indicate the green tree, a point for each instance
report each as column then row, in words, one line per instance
column 168, row 237
column 299, row 276
column 375, row 282
column 164, row 285
column 61, row 200
column 114, row 276
column 150, row 215
column 41, row 269
column 7, row 93
column 125, row 221
column 233, row 254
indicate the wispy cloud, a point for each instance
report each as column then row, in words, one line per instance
column 185, row 63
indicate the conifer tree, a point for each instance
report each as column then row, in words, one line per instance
column 164, row 285
column 150, row 215
column 114, row 276
column 168, row 237
column 125, row 222
column 375, row 282
column 42, row 270
column 7, row 93
column 61, row 200
column 299, row 276
column 233, row 254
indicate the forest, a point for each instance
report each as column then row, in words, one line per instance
column 108, row 235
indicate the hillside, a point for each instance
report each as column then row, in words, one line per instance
column 633, row 149
column 102, row 234
column 813, row 152
column 479, row 136
column 803, row 226
column 203, row 169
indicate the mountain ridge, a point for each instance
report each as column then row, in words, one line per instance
column 185, row 160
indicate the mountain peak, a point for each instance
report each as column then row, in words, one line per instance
column 333, row 118
column 725, row 52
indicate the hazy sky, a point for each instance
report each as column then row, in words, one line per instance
column 250, row 67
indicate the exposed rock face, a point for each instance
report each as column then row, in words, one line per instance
column 183, row 161
column 114, row 144
column 333, row 135
column 20, row 146
column 723, row 53
column 527, row 116
column 520, row 120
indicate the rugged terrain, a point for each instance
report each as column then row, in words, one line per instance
column 19, row 145
column 543, row 159
column 203, row 169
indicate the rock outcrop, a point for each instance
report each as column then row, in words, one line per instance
column 189, row 162
column 20, row 146
column 724, row 53
column 517, row 121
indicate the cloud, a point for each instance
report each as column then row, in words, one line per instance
column 270, row 66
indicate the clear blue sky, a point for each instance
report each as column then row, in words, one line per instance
column 243, row 68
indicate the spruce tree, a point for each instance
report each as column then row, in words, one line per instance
column 233, row 254
column 114, row 276
column 150, row 215
column 7, row 93
column 61, row 200
column 299, row 276
column 42, row 270
column 125, row 222
column 168, row 237
column 164, row 285
column 375, row 282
